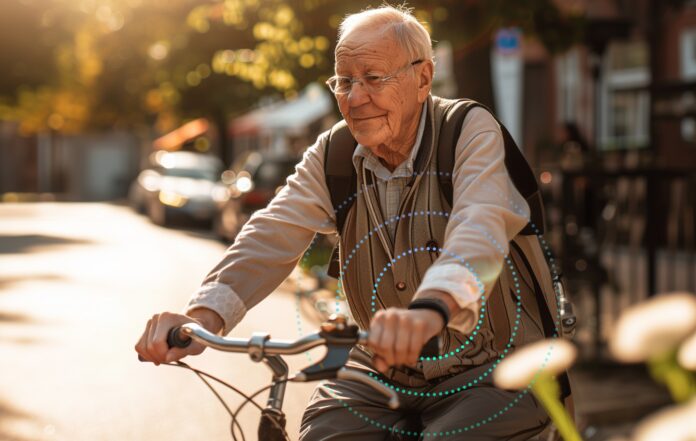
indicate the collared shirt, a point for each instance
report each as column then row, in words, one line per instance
column 390, row 185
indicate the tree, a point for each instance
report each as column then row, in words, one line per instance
column 281, row 41
column 77, row 66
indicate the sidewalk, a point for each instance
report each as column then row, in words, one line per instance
column 610, row 399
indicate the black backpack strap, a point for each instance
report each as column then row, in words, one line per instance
column 523, row 178
column 341, row 179
column 339, row 172
column 517, row 166
column 550, row 329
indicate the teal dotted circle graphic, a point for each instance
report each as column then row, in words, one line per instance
column 519, row 396
column 513, row 334
column 465, row 263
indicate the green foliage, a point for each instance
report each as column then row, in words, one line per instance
column 75, row 65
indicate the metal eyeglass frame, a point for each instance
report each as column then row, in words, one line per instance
column 366, row 80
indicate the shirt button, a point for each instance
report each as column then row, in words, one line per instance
column 401, row 286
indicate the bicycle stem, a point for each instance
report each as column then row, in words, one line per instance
column 280, row 376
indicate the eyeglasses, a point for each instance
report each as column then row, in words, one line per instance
column 341, row 85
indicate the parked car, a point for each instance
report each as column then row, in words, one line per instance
column 253, row 181
column 179, row 185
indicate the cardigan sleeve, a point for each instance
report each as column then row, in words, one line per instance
column 270, row 243
column 487, row 213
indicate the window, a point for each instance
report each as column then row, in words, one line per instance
column 625, row 105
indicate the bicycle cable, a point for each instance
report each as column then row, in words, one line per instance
column 250, row 399
column 252, row 396
column 247, row 399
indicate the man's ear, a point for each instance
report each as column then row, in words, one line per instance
column 425, row 79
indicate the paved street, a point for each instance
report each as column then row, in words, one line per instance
column 77, row 284
column 79, row 281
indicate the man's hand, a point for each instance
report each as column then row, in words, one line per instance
column 153, row 346
column 397, row 336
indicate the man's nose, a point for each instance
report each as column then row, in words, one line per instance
column 358, row 95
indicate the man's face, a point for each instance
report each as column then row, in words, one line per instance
column 381, row 119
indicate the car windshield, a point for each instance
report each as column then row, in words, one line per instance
column 194, row 173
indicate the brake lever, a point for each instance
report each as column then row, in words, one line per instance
column 340, row 337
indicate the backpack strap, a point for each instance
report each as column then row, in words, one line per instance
column 517, row 166
column 550, row 329
column 341, row 179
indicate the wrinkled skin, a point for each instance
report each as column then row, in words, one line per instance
column 385, row 122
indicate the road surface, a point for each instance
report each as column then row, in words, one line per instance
column 77, row 284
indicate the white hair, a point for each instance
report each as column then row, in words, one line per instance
column 408, row 32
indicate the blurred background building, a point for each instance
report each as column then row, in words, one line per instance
column 284, row 127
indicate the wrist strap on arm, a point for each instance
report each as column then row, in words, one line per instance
column 436, row 305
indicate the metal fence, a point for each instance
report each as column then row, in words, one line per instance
column 622, row 235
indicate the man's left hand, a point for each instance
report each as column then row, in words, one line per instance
column 397, row 336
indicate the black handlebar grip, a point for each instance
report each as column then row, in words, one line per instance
column 175, row 339
column 431, row 348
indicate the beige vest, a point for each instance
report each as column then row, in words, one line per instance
column 368, row 277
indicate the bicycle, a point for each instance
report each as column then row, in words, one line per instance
column 336, row 334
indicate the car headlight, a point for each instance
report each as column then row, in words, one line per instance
column 172, row 199
column 244, row 184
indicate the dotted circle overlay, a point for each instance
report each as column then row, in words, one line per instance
column 406, row 253
column 481, row 315
column 454, row 352
column 444, row 393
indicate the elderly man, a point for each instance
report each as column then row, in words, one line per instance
column 384, row 73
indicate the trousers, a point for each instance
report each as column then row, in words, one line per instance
column 342, row 410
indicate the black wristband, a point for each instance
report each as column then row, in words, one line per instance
column 436, row 305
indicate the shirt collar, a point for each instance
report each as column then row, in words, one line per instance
column 405, row 169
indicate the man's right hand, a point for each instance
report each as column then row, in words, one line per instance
column 153, row 346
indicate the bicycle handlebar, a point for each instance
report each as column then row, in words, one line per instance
column 182, row 336
column 336, row 335
column 193, row 331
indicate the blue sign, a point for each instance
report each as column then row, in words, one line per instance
column 508, row 40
